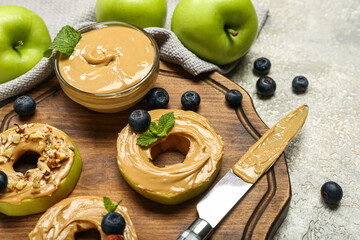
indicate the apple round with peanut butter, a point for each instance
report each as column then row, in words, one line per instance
column 58, row 168
column 191, row 135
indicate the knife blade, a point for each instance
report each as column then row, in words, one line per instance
column 243, row 175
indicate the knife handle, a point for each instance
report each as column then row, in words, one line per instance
column 198, row 230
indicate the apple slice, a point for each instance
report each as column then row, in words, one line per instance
column 39, row 204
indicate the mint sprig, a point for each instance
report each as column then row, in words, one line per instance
column 109, row 205
column 65, row 41
column 146, row 139
column 157, row 130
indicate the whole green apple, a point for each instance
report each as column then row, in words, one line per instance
column 23, row 39
column 218, row 31
column 142, row 13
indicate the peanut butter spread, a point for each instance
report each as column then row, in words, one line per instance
column 72, row 215
column 56, row 158
column 108, row 60
column 262, row 155
column 192, row 135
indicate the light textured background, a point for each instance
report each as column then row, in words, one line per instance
column 320, row 40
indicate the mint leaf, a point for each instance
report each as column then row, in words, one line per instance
column 166, row 122
column 157, row 131
column 147, row 138
column 114, row 206
column 109, row 205
column 154, row 128
column 65, row 41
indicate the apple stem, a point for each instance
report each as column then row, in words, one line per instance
column 20, row 43
column 233, row 32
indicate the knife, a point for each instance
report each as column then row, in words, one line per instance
column 243, row 175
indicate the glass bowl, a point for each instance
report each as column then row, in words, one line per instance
column 113, row 101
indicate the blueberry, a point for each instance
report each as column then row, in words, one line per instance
column 331, row 193
column 24, row 106
column 113, row 223
column 190, row 100
column 234, row 98
column 139, row 120
column 157, row 98
column 3, row 181
column 262, row 65
column 300, row 84
column 266, row 86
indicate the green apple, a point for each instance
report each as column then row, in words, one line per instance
column 142, row 13
column 177, row 198
column 38, row 205
column 218, row 31
column 23, row 39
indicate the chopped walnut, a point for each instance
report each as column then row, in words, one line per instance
column 37, row 135
column 19, row 174
column 51, row 180
column 8, row 152
column 47, row 176
column 26, row 137
column 42, row 158
column 3, row 159
column 49, row 128
column 3, row 139
column 35, row 190
column 52, row 163
column 60, row 155
column 20, row 185
column 29, row 173
column 42, row 146
column 44, row 168
column 16, row 138
column 36, row 182
column 10, row 184
column 51, row 153
column 48, row 138
column 72, row 148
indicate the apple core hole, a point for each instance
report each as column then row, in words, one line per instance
column 27, row 161
column 90, row 234
column 171, row 151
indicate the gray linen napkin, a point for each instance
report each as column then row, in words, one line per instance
column 57, row 14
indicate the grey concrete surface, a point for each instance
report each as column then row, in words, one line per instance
column 320, row 40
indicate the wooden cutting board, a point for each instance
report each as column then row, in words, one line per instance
column 256, row 216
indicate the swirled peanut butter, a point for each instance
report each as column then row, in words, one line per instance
column 263, row 154
column 72, row 215
column 108, row 60
column 192, row 135
column 56, row 159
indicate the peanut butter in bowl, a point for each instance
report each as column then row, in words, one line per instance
column 112, row 67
